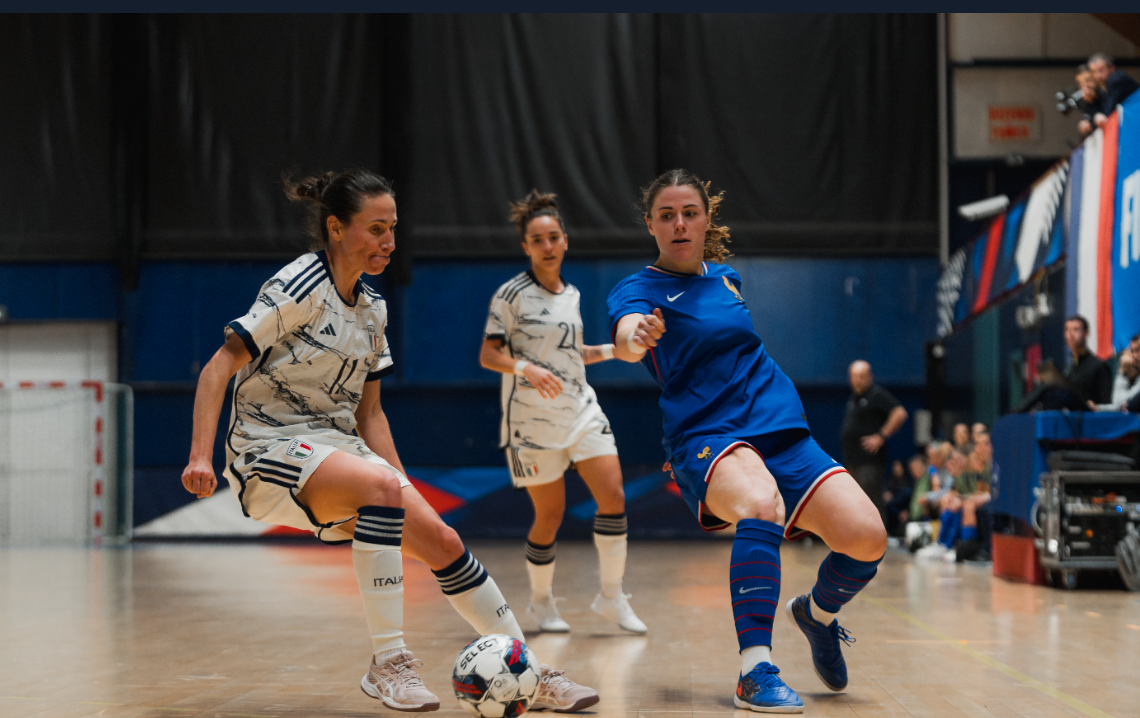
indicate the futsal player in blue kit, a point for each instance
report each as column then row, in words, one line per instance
column 738, row 442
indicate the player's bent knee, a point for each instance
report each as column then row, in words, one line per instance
column 448, row 542
column 382, row 489
column 868, row 541
column 768, row 509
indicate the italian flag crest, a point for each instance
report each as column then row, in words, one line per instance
column 299, row 449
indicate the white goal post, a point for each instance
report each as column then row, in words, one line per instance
column 66, row 464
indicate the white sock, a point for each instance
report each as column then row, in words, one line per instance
column 611, row 562
column 753, row 656
column 541, row 579
column 380, row 574
column 819, row 614
column 486, row 610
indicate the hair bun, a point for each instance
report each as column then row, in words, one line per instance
column 535, row 204
column 320, row 184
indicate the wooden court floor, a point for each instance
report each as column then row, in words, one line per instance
column 277, row 631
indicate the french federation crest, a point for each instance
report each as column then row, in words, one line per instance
column 732, row 288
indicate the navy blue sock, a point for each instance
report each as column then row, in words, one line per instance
column 949, row 531
column 969, row 532
column 840, row 578
column 754, row 580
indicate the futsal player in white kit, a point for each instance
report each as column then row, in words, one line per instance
column 551, row 418
column 309, row 446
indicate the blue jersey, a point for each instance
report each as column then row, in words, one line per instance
column 714, row 374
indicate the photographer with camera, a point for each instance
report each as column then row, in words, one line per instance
column 1089, row 99
column 1115, row 85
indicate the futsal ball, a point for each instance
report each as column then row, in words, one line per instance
column 496, row 676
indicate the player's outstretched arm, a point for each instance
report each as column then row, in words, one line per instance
column 492, row 357
column 636, row 333
column 198, row 476
column 592, row 354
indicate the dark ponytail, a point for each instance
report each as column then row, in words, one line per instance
column 335, row 194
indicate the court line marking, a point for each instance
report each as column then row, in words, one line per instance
column 963, row 641
column 1026, row 680
column 149, row 708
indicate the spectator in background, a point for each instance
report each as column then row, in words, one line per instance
column 896, row 499
column 1087, row 375
column 1115, row 85
column 973, row 489
column 1126, row 386
column 872, row 416
column 1090, row 99
column 962, row 438
column 949, row 505
column 928, row 493
column 917, row 509
column 977, row 475
column 976, row 430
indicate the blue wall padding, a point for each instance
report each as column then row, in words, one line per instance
column 816, row 316
column 77, row 291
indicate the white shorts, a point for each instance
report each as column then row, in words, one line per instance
column 534, row 467
column 267, row 476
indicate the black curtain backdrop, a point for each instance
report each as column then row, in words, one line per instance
column 821, row 128
column 504, row 103
column 165, row 136
column 237, row 101
column 56, row 179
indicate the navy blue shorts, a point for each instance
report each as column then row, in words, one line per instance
column 795, row 460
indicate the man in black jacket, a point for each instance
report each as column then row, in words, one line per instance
column 873, row 415
column 1087, row 375
column 1116, row 85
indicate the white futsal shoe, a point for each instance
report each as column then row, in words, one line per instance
column 396, row 683
column 618, row 609
column 558, row 693
column 933, row 551
column 545, row 612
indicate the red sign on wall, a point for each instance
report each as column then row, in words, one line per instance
column 1014, row 123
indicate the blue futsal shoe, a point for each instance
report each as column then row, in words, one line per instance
column 826, row 655
column 761, row 690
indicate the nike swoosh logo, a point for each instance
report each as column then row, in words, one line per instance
column 672, row 298
column 755, row 588
column 845, row 591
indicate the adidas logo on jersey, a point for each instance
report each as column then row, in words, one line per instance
column 543, row 312
column 328, row 331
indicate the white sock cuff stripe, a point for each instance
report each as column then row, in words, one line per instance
column 379, row 530
column 463, row 575
column 611, row 525
column 540, row 555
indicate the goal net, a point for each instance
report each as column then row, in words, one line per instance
column 65, row 462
